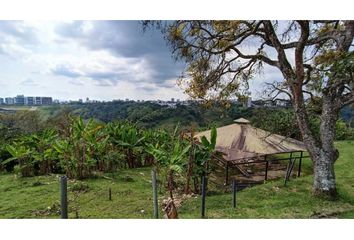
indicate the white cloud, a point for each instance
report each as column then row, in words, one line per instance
column 29, row 82
column 100, row 60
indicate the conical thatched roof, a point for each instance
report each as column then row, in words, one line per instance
column 241, row 140
column 242, row 121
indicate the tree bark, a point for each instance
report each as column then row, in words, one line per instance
column 324, row 177
column 322, row 151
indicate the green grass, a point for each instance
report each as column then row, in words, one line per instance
column 38, row 197
column 131, row 193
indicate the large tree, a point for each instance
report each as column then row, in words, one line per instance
column 315, row 59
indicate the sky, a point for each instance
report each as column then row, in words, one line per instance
column 101, row 60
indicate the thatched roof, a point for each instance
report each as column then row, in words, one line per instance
column 242, row 121
column 241, row 140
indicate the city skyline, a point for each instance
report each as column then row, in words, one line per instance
column 87, row 99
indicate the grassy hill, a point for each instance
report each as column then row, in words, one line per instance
column 38, row 197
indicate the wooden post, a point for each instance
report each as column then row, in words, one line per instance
column 300, row 162
column 227, row 174
column 204, row 180
column 234, row 190
column 63, row 197
column 110, row 194
column 266, row 169
column 154, row 193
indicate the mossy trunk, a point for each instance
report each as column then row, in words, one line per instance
column 322, row 151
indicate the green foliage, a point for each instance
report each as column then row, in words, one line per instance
column 22, row 154
column 210, row 145
column 343, row 131
column 77, row 151
column 171, row 157
column 148, row 115
column 271, row 200
column 283, row 122
column 81, row 148
column 279, row 121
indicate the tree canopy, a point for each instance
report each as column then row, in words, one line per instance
column 315, row 59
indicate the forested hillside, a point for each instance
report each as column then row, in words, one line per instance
column 151, row 115
column 195, row 116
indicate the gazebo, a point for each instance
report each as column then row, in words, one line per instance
column 241, row 143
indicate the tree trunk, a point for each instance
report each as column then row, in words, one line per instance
column 324, row 177
column 322, row 151
column 170, row 183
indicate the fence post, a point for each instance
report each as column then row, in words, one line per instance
column 289, row 170
column 234, row 190
column 266, row 169
column 227, row 174
column 300, row 161
column 203, row 195
column 110, row 194
column 154, row 193
column 63, row 197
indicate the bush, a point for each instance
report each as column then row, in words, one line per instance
column 80, row 187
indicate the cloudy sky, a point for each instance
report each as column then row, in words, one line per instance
column 102, row 60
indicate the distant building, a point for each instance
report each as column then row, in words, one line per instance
column 38, row 101
column 283, row 102
column 47, row 100
column 9, row 101
column 272, row 103
column 30, row 100
column 20, row 100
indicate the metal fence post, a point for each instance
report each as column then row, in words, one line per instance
column 154, row 193
column 299, row 169
column 234, row 190
column 63, row 197
column 289, row 170
column 203, row 195
column 227, row 174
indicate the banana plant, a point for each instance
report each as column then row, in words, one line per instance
column 44, row 153
column 171, row 156
column 65, row 153
column 153, row 137
column 128, row 137
column 22, row 154
column 202, row 154
column 206, row 148
column 210, row 145
column 78, row 150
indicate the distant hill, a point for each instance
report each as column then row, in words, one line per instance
column 152, row 115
